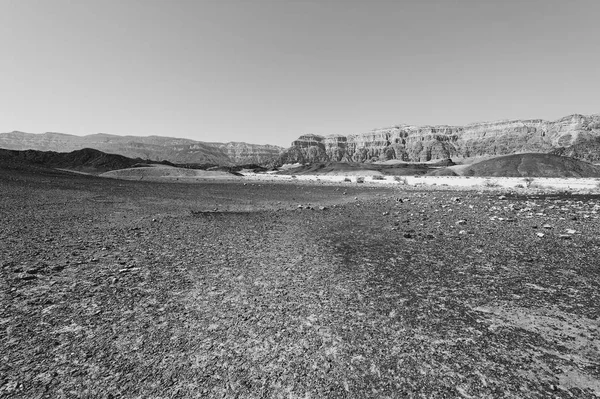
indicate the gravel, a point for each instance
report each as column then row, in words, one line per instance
column 131, row 289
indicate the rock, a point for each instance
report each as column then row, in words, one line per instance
column 461, row 222
column 571, row 231
column 502, row 197
column 547, row 226
column 564, row 236
column 539, row 234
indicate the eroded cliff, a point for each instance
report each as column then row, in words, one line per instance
column 426, row 143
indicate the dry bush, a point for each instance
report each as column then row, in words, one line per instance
column 528, row 181
column 491, row 184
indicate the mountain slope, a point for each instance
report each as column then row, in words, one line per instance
column 531, row 165
column 155, row 148
column 85, row 160
column 425, row 143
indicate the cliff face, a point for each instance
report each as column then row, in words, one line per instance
column 426, row 143
column 155, row 148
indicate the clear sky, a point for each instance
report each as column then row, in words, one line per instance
column 267, row 71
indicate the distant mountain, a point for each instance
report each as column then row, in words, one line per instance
column 154, row 148
column 425, row 143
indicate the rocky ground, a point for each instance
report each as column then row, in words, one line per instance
column 131, row 289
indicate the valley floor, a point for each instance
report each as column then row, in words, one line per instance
column 129, row 289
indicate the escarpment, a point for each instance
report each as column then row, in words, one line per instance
column 427, row 143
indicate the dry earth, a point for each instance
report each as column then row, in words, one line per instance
column 130, row 289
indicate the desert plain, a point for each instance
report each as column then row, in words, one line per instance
column 293, row 288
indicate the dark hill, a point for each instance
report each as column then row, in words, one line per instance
column 532, row 165
column 85, row 160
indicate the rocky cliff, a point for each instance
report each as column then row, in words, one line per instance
column 426, row 143
column 155, row 148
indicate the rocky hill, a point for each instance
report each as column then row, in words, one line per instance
column 425, row 143
column 154, row 148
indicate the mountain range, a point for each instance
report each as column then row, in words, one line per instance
column 155, row 148
column 576, row 136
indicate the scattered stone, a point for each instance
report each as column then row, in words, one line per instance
column 565, row 236
column 407, row 235
column 461, row 222
column 547, row 226
column 502, row 197
column 539, row 234
column 571, row 231
column 129, row 269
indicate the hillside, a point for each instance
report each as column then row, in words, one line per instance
column 588, row 150
column 425, row 143
column 155, row 148
column 85, row 160
column 527, row 165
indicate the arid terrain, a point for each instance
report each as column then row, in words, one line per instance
column 295, row 289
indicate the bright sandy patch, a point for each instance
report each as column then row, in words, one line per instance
column 451, row 181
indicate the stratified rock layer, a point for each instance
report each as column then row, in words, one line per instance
column 426, row 143
column 155, row 148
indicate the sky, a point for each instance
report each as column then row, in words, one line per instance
column 268, row 71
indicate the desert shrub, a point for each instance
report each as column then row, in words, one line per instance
column 519, row 186
column 401, row 179
column 528, row 181
column 293, row 176
column 360, row 179
column 491, row 184
column 377, row 177
column 347, row 179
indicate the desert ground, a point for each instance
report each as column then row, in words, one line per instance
column 295, row 289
